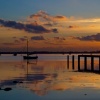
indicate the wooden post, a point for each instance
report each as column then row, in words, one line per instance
column 78, row 63
column 99, row 63
column 92, row 63
column 85, row 63
column 68, row 61
column 73, row 62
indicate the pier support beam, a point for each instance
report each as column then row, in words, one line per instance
column 73, row 62
column 92, row 63
column 99, row 64
column 78, row 63
column 68, row 61
column 85, row 63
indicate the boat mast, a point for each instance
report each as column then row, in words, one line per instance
column 27, row 48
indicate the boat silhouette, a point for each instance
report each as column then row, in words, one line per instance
column 28, row 55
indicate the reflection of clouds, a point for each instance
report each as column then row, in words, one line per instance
column 46, row 76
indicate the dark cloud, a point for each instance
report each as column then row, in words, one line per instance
column 59, row 17
column 48, row 24
column 35, row 15
column 17, row 41
column 39, row 14
column 27, row 27
column 1, row 21
column 12, row 24
column 36, row 29
column 59, row 38
column 90, row 38
column 55, row 30
column 23, row 39
column 37, row 38
column 70, row 26
column 73, row 26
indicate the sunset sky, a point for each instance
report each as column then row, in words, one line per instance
column 50, row 25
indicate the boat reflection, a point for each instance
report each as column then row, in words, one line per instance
column 44, row 76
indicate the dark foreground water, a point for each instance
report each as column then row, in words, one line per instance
column 46, row 79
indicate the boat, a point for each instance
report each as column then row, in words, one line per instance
column 28, row 56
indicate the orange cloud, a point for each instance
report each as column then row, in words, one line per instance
column 73, row 26
column 61, row 18
column 44, row 18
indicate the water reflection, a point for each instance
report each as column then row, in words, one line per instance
column 43, row 77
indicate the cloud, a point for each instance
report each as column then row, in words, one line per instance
column 44, row 18
column 73, row 26
column 61, row 21
column 61, row 18
column 42, row 22
column 32, row 28
column 55, row 30
column 37, row 38
column 90, row 38
column 40, row 17
column 36, row 29
column 39, row 14
column 89, row 20
column 17, row 41
column 22, row 39
column 48, row 24
column 10, row 44
column 59, row 38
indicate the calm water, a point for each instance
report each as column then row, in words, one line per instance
column 46, row 79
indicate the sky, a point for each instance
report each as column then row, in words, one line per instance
column 50, row 25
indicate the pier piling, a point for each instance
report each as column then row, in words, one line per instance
column 68, row 61
column 73, row 61
column 92, row 63
column 78, row 63
column 99, row 64
column 85, row 62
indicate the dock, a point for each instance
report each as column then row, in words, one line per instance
column 92, row 57
column 85, row 61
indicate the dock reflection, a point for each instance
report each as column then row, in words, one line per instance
column 42, row 77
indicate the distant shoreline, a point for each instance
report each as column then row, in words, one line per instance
column 47, row 52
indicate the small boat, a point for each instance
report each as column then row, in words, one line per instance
column 28, row 56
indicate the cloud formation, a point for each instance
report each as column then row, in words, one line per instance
column 62, row 22
column 59, row 38
column 32, row 28
column 73, row 26
column 43, row 17
column 90, row 38
column 37, row 38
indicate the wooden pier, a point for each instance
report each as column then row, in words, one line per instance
column 85, row 59
column 92, row 57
